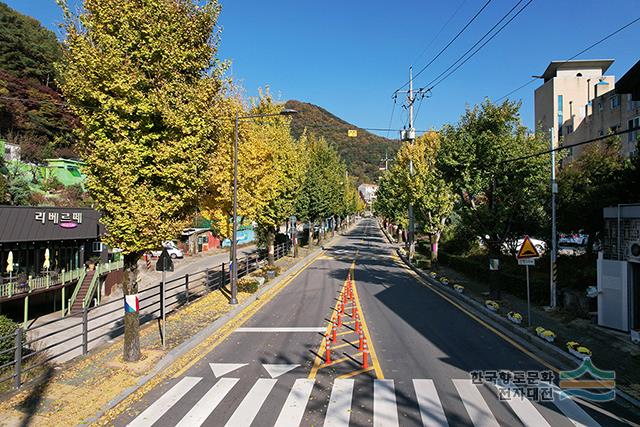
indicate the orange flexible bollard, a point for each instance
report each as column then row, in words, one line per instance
column 327, row 359
column 354, row 310
column 341, row 309
column 365, row 356
column 339, row 319
column 361, row 343
column 357, row 324
column 334, row 330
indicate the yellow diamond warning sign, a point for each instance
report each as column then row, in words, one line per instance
column 527, row 250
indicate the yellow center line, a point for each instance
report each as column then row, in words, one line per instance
column 354, row 373
column 243, row 316
column 363, row 323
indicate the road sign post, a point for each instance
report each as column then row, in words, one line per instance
column 527, row 255
column 164, row 264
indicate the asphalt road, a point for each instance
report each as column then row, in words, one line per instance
column 422, row 348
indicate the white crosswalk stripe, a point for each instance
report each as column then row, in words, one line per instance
column 339, row 409
column 571, row 410
column 251, row 404
column 343, row 401
column 293, row 410
column 475, row 404
column 431, row 410
column 162, row 405
column 205, row 406
column 385, row 410
column 527, row 413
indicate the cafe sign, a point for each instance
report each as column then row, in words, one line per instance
column 64, row 219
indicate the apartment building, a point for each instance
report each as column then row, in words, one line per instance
column 580, row 103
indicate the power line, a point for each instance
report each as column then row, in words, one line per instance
column 577, row 54
column 440, row 31
column 393, row 109
column 506, row 15
column 566, row 147
column 448, row 44
column 517, row 89
column 482, row 45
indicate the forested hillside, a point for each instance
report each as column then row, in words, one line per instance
column 32, row 113
column 362, row 154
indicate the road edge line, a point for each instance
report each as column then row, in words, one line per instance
column 229, row 319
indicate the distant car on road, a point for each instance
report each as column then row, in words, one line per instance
column 172, row 249
column 512, row 247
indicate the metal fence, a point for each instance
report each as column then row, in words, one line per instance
column 25, row 355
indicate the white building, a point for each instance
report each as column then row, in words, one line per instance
column 368, row 193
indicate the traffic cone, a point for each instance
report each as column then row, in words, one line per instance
column 365, row 356
column 327, row 359
column 334, row 330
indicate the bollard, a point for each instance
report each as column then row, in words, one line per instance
column 327, row 359
column 334, row 330
column 361, row 341
column 365, row 356
column 357, row 324
column 341, row 308
column 339, row 319
column 354, row 310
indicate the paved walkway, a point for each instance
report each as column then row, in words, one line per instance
column 64, row 336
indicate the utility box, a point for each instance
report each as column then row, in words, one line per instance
column 407, row 134
column 619, row 270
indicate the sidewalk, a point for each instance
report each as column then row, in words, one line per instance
column 74, row 392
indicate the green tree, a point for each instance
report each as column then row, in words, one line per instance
column 27, row 49
column 143, row 78
column 499, row 200
column 322, row 189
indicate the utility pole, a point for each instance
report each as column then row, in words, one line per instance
column 386, row 160
column 411, row 137
column 554, row 233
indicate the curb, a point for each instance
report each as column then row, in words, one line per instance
column 522, row 336
column 194, row 341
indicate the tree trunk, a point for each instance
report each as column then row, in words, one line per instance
column 435, row 240
column 131, row 319
column 494, row 280
column 310, row 234
column 320, row 231
column 271, row 237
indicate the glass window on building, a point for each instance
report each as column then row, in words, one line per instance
column 615, row 102
column 560, row 116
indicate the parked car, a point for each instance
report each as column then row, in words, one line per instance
column 512, row 247
column 174, row 251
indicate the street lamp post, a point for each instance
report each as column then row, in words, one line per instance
column 234, row 233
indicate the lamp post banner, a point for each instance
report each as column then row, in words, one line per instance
column 131, row 303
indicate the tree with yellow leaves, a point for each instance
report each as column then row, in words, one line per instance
column 144, row 80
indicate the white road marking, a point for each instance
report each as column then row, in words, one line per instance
column 220, row 369
column 525, row 410
column 429, row 404
column 293, row 409
column 283, row 329
column 278, row 369
column 570, row 409
column 205, row 406
column 251, row 404
column 475, row 405
column 385, row 410
column 165, row 402
column 339, row 409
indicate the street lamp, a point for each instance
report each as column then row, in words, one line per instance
column 234, row 235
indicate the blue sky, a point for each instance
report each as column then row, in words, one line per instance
column 349, row 56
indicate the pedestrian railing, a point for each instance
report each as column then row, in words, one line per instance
column 26, row 355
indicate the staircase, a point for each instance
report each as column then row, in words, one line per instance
column 76, row 308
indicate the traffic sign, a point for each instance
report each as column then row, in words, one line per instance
column 165, row 263
column 527, row 261
column 527, row 250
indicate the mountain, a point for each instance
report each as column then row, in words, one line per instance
column 32, row 111
column 362, row 154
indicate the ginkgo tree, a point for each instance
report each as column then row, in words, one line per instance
column 144, row 80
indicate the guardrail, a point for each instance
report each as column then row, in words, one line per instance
column 28, row 353
column 15, row 287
